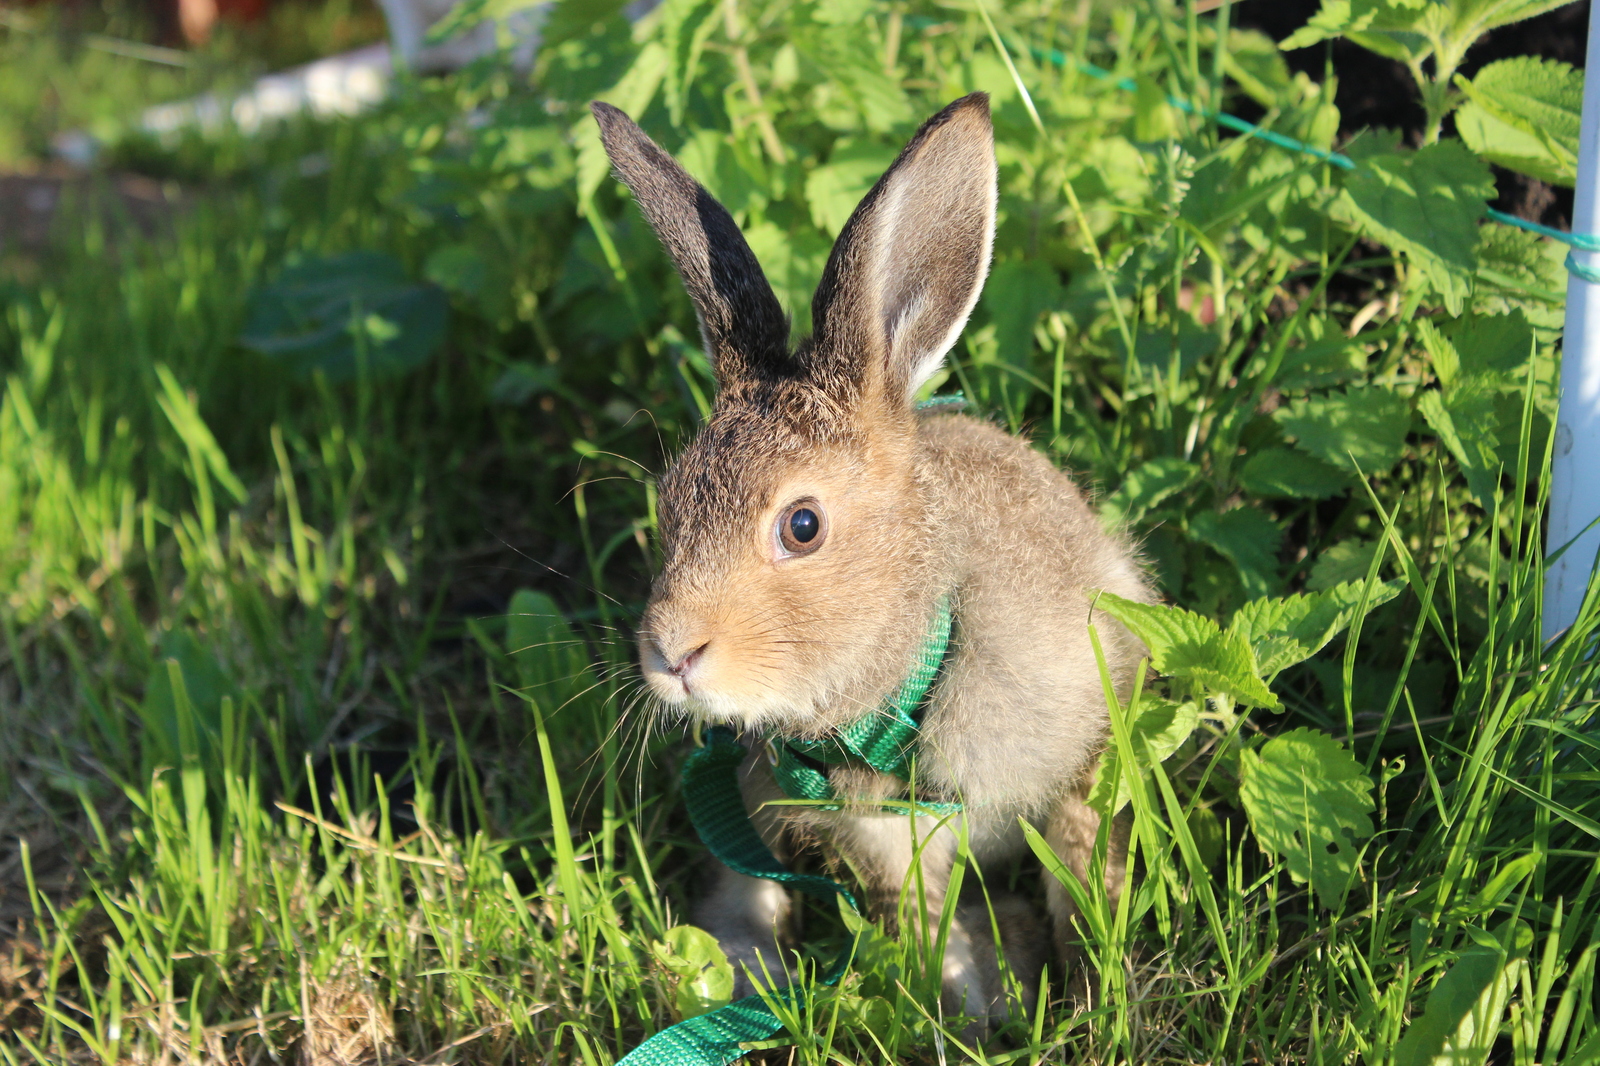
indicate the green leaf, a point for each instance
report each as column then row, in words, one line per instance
column 1286, row 472
column 1357, row 428
column 1247, row 538
column 1424, row 204
column 1286, row 631
column 1388, row 27
column 633, row 93
column 1308, row 803
column 792, row 260
column 468, row 14
column 834, row 189
column 1160, row 730
column 457, row 267
column 1017, row 293
column 1525, row 113
column 1146, row 486
column 1347, row 560
column 1185, row 644
column 1521, row 271
column 704, row 974
column 684, row 27
column 1462, row 1018
column 1471, row 441
column 551, row 659
column 337, row 314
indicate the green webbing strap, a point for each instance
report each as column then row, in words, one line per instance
column 885, row 741
column 716, row 807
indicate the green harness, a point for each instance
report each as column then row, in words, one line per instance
column 884, row 740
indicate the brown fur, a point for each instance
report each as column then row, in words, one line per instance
column 916, row 506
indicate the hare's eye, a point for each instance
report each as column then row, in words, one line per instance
column 802, row 528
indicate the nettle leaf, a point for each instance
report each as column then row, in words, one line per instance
column 345, row 314
column 1185, row 644
column 1247, row 538
column 1017, row 293
column 1348, row 560
column 1468, row 427
column 1291, row 473
column 1525, row 113
column 1464, row 413
column 1309, row 804
column 1146, row 486
column 1388, row 27
column 1462, row 1018
column 1160, row 729
column 1523, row 272
column 704, row 974
column 1424, row 204
column 1286, row 631
column 835, row 188
column 1355, row 429
column 633, row 93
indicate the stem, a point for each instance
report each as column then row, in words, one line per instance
column 747, row 81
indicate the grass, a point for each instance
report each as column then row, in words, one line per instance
column 320, row 725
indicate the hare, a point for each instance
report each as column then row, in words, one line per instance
column 812, row 527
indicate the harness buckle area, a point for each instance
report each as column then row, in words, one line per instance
column 772, row 752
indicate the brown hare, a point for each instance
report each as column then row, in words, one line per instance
column 820, row 519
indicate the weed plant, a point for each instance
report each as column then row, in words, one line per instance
column 325, row 517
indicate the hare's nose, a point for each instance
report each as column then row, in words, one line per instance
column 686, row 663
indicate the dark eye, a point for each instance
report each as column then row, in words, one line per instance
column 801, row 528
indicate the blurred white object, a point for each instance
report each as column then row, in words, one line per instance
column 338, row 85
column 1575, row 465
column 409, row 21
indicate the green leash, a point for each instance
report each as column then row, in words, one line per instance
column 883, row 740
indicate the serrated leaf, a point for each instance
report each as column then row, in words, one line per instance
column 1424, row 204
column 1308, row 803
column 1470, row 439
column 633, row 93
column 1017, row 293
column 1247, row 538
column 1459, row 1025
column 1291, row 473
column 1520, row 271
column 1185, row 644
column 684, row 27
column 1289, row 630
column 1145, row 486
column 1354, row 428
column 551, row 660
column 1387, row 27
column 835, row 188
column 1505, row 144
column 1525, row 112
column 1161, row 728
column 1347, row 560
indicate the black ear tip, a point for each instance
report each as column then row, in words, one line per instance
column 608, row 116
column 978, row 101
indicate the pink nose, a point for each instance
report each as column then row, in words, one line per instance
column 681, row 668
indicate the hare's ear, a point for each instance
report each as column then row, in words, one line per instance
column 742, row 326
column 909, row 265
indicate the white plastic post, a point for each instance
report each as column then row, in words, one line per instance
column 1575, row 466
